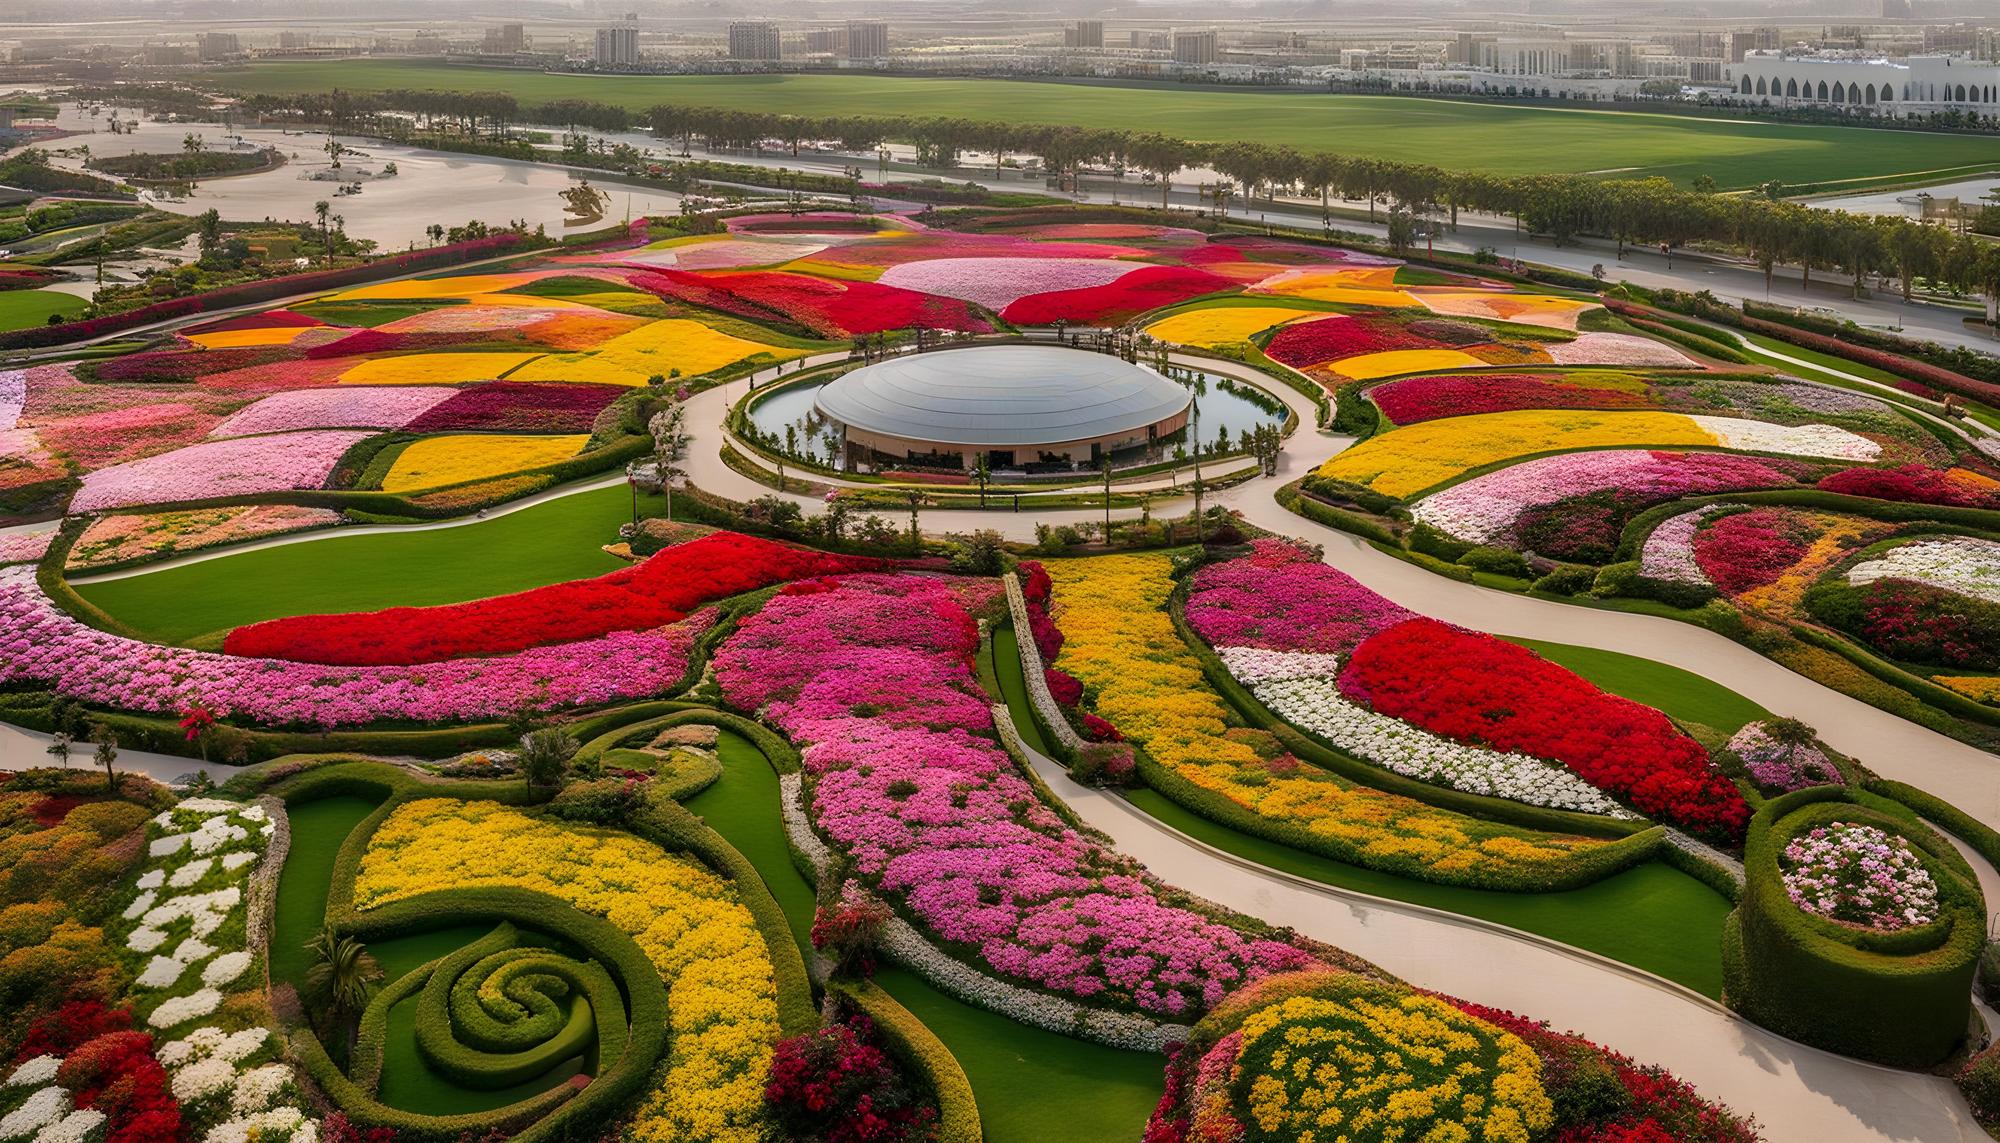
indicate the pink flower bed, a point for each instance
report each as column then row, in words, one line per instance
column 277, row 376
column 1118, row 302
column 1308, row 343
column 25, row 547
column 344, row 407
column 1417, row 399
column 1280, row 598
column 126, row 536
column 872, row 676
column 997, row 282
column 1485, row 508
column 13, row 397
column 39, row 642
column 518, row 406
column 1616, row 349
column 811, row 222
column 937, row 245
column 1113, row 232
column 843, row 309
column 216, row 469
column 164, row 365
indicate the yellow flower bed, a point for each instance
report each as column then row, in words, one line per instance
column 1415, row 457
column 657, row 347
column 1526, row 309
column 238, row 338
column 1838, row 536
column 721, row 996
column 1395, row 362
column 435, row 368
column 1353, row 1060
column 455, row 286
column 1983, row 688
column 1225, row 325
column 434, row 462
column 1121, row 643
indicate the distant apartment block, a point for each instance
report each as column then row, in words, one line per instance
column 617, row 46
column 754, row 40
column 867, row 40
column 211, row 46
column 1085, row 34
column 506, row 40
column 1197, row 48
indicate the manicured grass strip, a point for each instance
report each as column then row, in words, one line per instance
column 1007, row 663
column 1683, row 695
column 318, row 829
column 20, row 309
column 551, row 542
column 1499, row 138
column 1031, row 1085
column 1650, row 916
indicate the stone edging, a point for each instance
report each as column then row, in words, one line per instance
column 262, row 909
column 1032, row 671
column 908, row 947
column 1706, row 854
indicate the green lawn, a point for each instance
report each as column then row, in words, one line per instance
column 550, row 542
column 20, row 309
column 1684, row 695
column 1031, row 1085
column 318, row 829
column 1473, row 136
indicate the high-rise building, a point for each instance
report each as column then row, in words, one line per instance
column 618, row 46
column 211, row 46
column 506, row 40
column 867, row 40
column 1087, row 34
column 830, row 41
column 1194, row 47
column 754, row 40
column 1742, row 43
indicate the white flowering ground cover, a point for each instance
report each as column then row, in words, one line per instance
column 1828, row 441
column 1668, row 553
column 1300, row 688
column 1961, row 565
column 189, row 934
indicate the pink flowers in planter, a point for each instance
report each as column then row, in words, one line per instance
column 871, row 675
column 216, row 469
column 39, row 642
column 353, row 407
column 1280, row 597
column 997, row 282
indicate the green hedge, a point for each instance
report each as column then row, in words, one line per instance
column 1984, row 840
column 466, row 1040
column 1323, row 513
column 1900, row 998
column 918, row 1048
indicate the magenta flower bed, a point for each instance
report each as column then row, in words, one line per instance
column 523, row 406
column 1118, row 302
column 997, row 283
column 940, row 245
column 872, row 676
column 1280, row 598
column 218, row 469
column 269, row 319
column 1750, row 549
column 39, row 642
column 1417, row 399
column 344, row 407
column 188, row 364
column 1309, row 343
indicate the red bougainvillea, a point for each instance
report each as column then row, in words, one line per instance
column 1474, row 688
column 117, row 1075
column 72, row 1024
column 1119, row 301
column 1749, row 549
column 1463, row 394
column 1063, row 686
column 1306, row 343
column 659, row 591
column 1916, row 484
column 835, row 1085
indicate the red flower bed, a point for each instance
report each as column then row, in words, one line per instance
column 117, row 1074
column 1064, row 687
column 841, row 308
column 1117, row 302
column 384, row 341
column 693, row 289
column 269, row 319
column 659, row 591
column 1914, row 483
column 1474, row 688
column 184, row 365
column 835, row 1085
column 70, row 1026
column 1918, row 623
column 1749, row 549
column 1302, row 344
column 1431, row 398
column 25, row 278
column 518, row 406
column 1908, row 368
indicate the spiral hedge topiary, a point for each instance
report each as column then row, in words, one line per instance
column 1899, row 997
column 500, row 1012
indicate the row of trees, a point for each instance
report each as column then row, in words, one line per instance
column 1647, row 212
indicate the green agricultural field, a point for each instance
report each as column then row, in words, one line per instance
column 20, row 309
column 1472, row 136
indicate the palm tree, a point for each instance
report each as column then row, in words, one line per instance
column 107, row 753
column 59, row 748
column 544, row 754
column 323, row 210
column 341, row 980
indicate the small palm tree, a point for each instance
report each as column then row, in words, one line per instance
column 59, row 748
column 341, row 980
column 107, row 754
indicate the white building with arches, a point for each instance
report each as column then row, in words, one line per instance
column 1916, row 86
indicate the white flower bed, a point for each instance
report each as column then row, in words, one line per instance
column 204, row 1078
column 41, row 1109
column 225, row 968
column 274, row 1126
column 177, row 1010
column 77, row 1127
column 258, row 1088
column 1299, row 687
column 1668, row 554
column 1961, row 565
column 1828, row 441
column 40, row 1070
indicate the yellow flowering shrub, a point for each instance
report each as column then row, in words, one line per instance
column 1985, row 688
column 452, row 286
column 1331, row 1057
column 1395, row 362
column 1120, row 642
column 434, row 462
column 1415, row 457
column 1225, row 325
column 434, row 368
column 1838, row 536
column 721, row 995
column 656, row 347
column 237, row 338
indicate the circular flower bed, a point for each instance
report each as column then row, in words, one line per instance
column 1859, row 875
